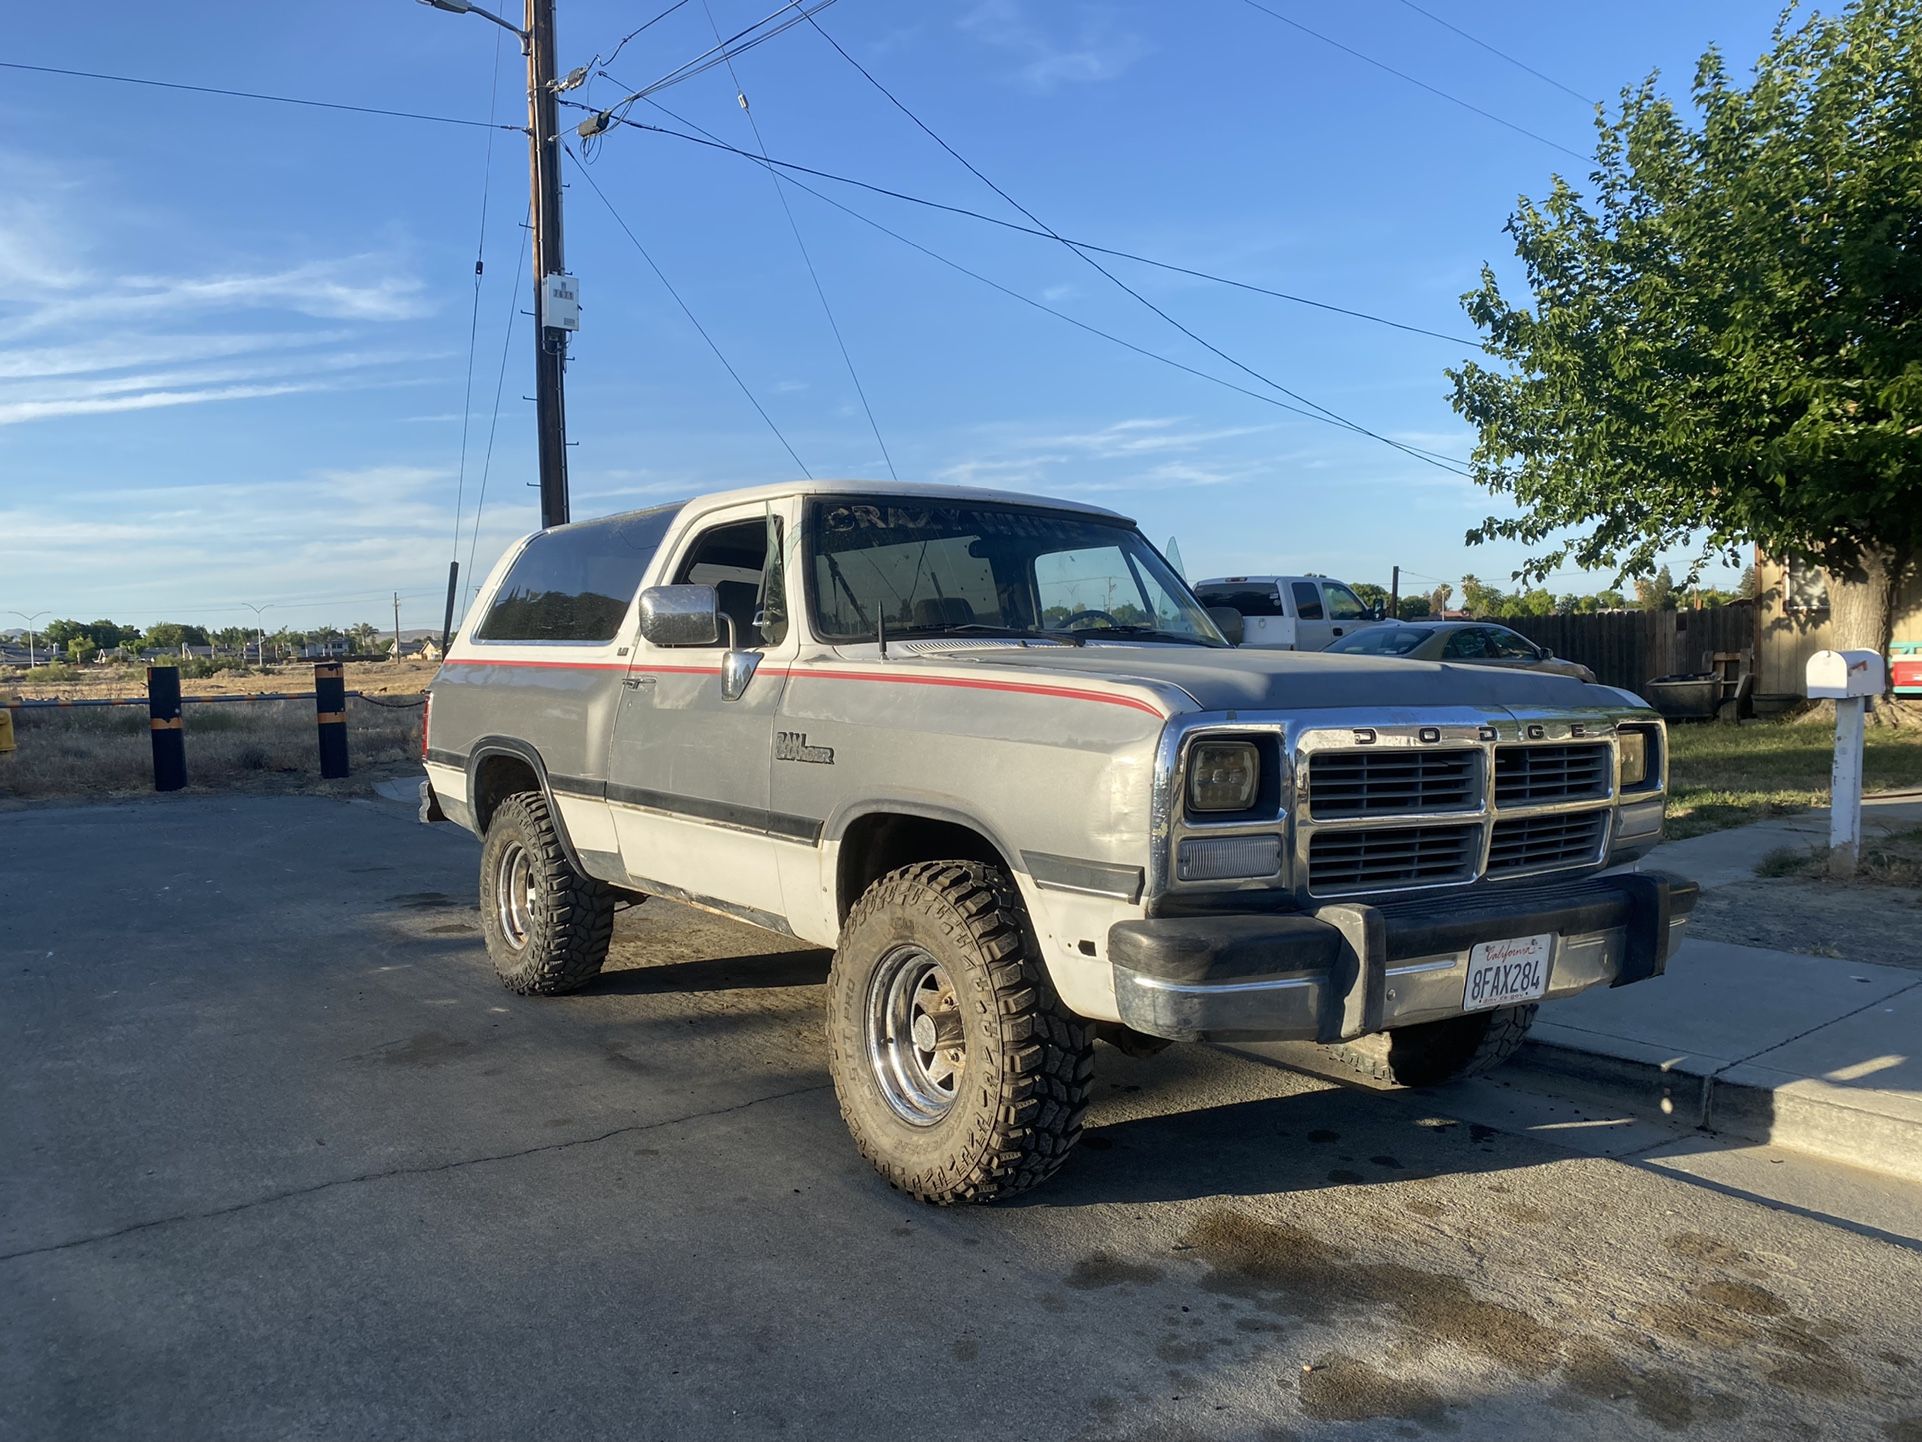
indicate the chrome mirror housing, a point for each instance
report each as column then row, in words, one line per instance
column 680, row 615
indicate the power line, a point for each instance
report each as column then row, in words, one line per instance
column 720, row 53
column 1420, row 84
column 615, row 54
column 500, row 379
column 473, row 320
column 594, row 185
column 1030, row 301
column 1502, row 54
column 259, row 95
column 1427, row 457
column 1089, row 260
column 801, row 245
column 716, row 143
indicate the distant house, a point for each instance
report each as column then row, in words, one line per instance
column 331, row 649
column 425, row 649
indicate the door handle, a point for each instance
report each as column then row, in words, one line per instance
column 1337, row 630
column 634, row 683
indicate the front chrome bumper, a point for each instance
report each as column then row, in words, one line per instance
column 1346, row 970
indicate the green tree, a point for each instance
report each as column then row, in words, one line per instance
column 1748, row 588
column 1415, row 608
column 1727, row 327
column 172, row 635
column 1656, row 592
column 1481, row 599
column 1439, row 597
column 1610, row 601
column 57, row 634
column 1370, row 594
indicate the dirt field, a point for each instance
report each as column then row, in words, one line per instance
column 380, row 678
column 261, row 746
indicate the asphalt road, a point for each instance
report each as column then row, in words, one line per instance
column 281, row 1159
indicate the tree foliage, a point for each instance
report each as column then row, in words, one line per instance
column 1724, row 340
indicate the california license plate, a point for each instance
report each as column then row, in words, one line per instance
column 1508, row 972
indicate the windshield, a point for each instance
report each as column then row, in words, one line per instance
column 1383, row 641
column 973, row 568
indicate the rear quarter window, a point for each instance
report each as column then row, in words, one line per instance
column 1249, row 600
column 575, row 583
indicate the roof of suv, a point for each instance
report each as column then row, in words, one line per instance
column 918, row 489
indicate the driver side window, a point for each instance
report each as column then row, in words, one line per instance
column 733, row 558
column 1468, row 644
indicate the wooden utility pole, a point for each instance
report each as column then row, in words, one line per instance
column 397, row 626
column 550, row 344
column 1394, row 593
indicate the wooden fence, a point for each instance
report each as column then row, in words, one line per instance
column 1631, row 648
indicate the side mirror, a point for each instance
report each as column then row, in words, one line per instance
column 680, row 616
column 1378, row 612
column 1228, row 621
column 1542, row 653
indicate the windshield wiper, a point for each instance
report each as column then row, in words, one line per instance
column 987, row 628
column 1150, row 633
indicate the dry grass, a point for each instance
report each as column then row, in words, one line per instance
column 1893, row 859
column 268, row 746
column 381, row 678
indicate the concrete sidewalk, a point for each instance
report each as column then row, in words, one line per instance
column 1813, row 1053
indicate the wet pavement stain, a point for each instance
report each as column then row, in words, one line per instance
column 424, row 1049
column 966, row 1350
column 1389, row 1162
column 1342, row 1389
column 454, row 928
column 421, row 900
column 1101, row 1270
column 1743, row 1297
column 1343, row 1177
column 1596, row 1374
column 1283, row 1268
column 1323, row 1136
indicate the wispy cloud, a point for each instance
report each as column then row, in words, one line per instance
column 102, row 337
column 1048, row 56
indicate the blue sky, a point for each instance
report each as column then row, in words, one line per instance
column 234, row 336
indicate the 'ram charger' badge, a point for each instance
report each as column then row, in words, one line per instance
column 793, row 746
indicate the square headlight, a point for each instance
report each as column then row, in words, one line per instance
column 1632, row 746
column 1223, row 776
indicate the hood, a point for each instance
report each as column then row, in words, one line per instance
column 1226, row 680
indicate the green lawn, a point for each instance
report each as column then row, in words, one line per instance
column 1725, row 775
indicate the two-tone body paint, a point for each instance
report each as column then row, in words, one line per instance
column 1065, row 759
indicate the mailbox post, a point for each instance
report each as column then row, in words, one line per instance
column 1848, row 678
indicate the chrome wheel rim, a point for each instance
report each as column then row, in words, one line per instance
column 917, row 1046
column 514, row 894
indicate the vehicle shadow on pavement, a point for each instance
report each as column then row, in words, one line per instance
column 774, row 969
column 1286, row 1144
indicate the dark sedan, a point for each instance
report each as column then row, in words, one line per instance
column 1473, row 643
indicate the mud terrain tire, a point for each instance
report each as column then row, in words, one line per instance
column 1005, row 1115
column 547, row 926
column 1432, row 1052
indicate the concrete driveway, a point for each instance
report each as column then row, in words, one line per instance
column 282, row 1159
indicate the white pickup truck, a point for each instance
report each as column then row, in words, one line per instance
column 1288, row 613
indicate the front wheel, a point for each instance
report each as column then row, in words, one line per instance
column 959, row 1073
column 1432, row 1052
column 547, row 926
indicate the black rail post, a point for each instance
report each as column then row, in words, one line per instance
column 330, row 712
column 163, row 720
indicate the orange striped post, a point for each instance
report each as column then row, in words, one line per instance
column 330, row 714
column 163, row 720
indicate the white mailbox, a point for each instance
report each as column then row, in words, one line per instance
column 1833, row 675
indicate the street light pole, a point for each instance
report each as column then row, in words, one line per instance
column 544, row 165
column 260, row 634
column 29, row 620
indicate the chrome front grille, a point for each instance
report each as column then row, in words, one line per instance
column 1380, row 858
column 1537, row 775
column 1398, row 782
column 1543, row 842
column 1385, row 809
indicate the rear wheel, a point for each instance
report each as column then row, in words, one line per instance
column 959, row 1073
column 1432, row 1052
column 547, row 926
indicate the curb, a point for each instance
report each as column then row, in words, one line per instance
column 1861, row 1127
